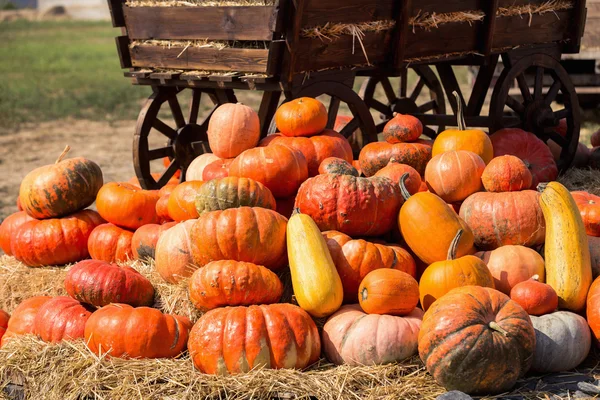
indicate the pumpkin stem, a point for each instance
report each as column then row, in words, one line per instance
column 364, row 294
column 454, row 245
column 296, row 211
column 536, row 278
column 541, row 186
column 494, row 325
column 403, row 190
column 460, row 116
column 63, row 154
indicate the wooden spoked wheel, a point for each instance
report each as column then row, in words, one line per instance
column 185, row 132
column 405, row 100
column 534, row 104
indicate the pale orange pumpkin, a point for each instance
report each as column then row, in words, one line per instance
column 196, row 168
column 232, row 129
column 173, row 259
column 454, row 175
column 301, row 117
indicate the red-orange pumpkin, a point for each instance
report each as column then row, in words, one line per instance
column 301, row 117
column 535, row 297
column 335, row 165
column 196, row 168
column 217, row 169
column 593, row 308
column 4, row 317
column 454, row 175
column 144, row 239
column 126, row 205
column 142, row 332
column 388, row 291
column 100, row 283
column 109, row 243
column 402, row 128
column 374, row 156
column 232, row 129
column 394, row 172
column 55, row 241
column 61, row 318
column 173, row 259
column 182, row 201
column 162, row 210
column 279, row 168
column 589, row 208
column 22, row 318
column 506, row 174
column 238, row 339
column 9, row 228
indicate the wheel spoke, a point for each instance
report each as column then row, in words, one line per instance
column 427, row 131
column 403, row 83
column 169, row 172
column 539, row 83
column 524, row 88
column 195, row 106
column 564, row 113
column 349, row 129
column 423, row 108
column 417, row 90
column 164, row 129
column 389, row 90
column 161, row 153
column 379, row 106
column 176, row 111
column 552, row 92
column 334, row 106
column 555, row 136
column 515, row 105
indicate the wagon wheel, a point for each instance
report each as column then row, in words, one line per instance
column 403, row 100
column 185, row 137
column 533, row 109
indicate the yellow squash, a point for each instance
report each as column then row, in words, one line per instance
column 316, row 282
column 568, row 266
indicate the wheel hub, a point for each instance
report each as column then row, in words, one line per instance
column 191, row 141
column 539, row 116
column 405, row 106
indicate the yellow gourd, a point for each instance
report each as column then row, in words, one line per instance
column 316, row 282
column 568, row 266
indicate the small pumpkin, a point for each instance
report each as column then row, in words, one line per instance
column 506, row 174
column 402, row 128
column 60, row 189
column 61, row 318
column 100, row 283
column 233, row 129
column 535, row 297
column 23, row 317
column 173, row 257
column 589, row 208
column 142, row 332
column 9, row 228
column 4, row 317
column 109, row 243
column 335, row 165
column 443, row 276
column 233, row 192
column 162, row 210
column 182, row 201
column 454, row 175
column 388, row 291
column 238, row 339
column 127, row 206
column 354, row 338
column 374, row 156
column 145, row 238
column 217, row 169
column 196, row 168
column 394, row 172
column 304, row 116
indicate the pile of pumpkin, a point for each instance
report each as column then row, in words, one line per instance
column 367, row 241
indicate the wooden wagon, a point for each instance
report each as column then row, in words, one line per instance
column 294, row 48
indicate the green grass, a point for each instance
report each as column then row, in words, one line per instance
column 57, row 69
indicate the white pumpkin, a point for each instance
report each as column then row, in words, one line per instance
column 562, row 341
column 196, row 168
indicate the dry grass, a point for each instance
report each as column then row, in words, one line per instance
column 334, row 31
column 581, row 179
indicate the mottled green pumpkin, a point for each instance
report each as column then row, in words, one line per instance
column 233, row 192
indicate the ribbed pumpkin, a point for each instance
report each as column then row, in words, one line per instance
column 145, row 238
column 233, row 283
column 173, row 257
column 217, row 169
column 182, row 201
column 233, row 192
column 506, row 174
column 476, row 340
column 589, row 208
column 335, row 165
column 316, row 148
column 304, row 116
column 250, row 234
column 511, row 265
column 354, row 206
column 535, row 297
column 127, row 206
column 498, row 219
column 443, row 276
column 352, row 337
column 9, row 228
column 454, row 175
column 394, row 172
column 238, row 339
column 424, row 213
column 120, row 330
column 61, row 318
column 402, row 128
column 100, row 283
column 61, row 188
column 529, row 148
column 374, row 156
column 4, row 317
column 196, row 168
column 279, row 168
column 404, row 261
column 232, row 129
column 388, row 291
column 23, row 317
column 109, row 243
column 55, row 241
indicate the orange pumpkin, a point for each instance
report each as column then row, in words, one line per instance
column 145, row 238
column 9, row 228
column 61, row 318
column 404, row 262
column 402, row 128
column 182, row 201
column 23, row 317
column 454, row 175
column 233, row 192
column 196, row 168
column 506, row 174
column 173, row 259
column 335, row 165
column 374, row 156
column 535, row 297
column 109, row 243
column 301, row 117
column 395, row 170
column 162, row 210
column 589, row 208
column 593, row 308
column 442, row 276
column 127, row 206
column 232, row 129
column 217, row 169
column 4, row 317
column 388, row 291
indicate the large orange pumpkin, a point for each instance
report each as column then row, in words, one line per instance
column 476, row 340
column 196, row 168
column 120, row 330
column 233, row 283
column 498, row 219
column 250, row 234
column 23, row 317
column 61, row 318
column 238, row 339
column 374, row 156
column 109, row 243
column 443, row 276
column 402, row 128
column 182, row 201
column 55, row 241
column 9, row 228
column 60, row 189
column 535, row 297
column 278, row 167
column 589, row 208
column 454, row 175
column 388, row 291
column 232, row 129
column 304, row 116
column 145, row 238
column 394, row 172
column 506, row 174
column 173, row 258
column 233, row 192
column 127, row 206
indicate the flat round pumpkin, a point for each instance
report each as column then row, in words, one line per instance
column 61, row 318
column 127, row 206
column 374, row 156
column 233, row 192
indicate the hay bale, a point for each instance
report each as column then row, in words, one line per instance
column 581, row 179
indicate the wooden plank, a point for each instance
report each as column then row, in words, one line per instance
column 576, row 27
column 401, row 36
column 320, row 12
column 231, row 59
column 276, row 49
column 215, row 23
column 489, row 25
column 448, row 38
column 123, row 50
column 116, row 12
column 293, row 37
column 546, row 28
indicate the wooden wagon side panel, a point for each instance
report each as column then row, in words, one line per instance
column 545, row 28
